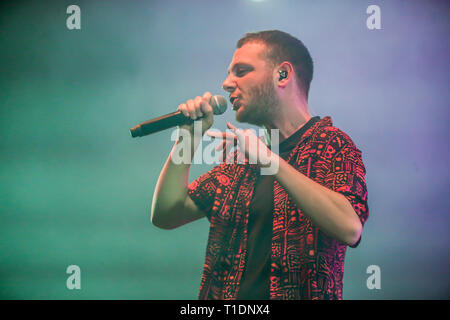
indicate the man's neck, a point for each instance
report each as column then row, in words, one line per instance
column 288, row 121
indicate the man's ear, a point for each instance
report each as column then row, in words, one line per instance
column 284, row 73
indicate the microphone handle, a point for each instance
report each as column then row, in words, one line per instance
column 164, row 122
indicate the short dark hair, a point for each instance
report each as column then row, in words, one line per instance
column 284, row 47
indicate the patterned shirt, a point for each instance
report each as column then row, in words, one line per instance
column 305, row 262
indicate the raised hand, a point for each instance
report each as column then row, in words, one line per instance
column 253, row 148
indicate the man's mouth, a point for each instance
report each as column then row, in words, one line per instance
column 235, row 102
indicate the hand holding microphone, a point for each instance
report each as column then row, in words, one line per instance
column 200, row 108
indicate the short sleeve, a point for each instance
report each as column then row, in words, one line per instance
column 203, row 190
column 346, row 174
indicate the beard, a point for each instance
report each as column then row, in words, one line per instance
column 261, row 105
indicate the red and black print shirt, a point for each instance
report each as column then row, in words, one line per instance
column 305, row 262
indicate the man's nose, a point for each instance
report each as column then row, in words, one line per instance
column 228, row 85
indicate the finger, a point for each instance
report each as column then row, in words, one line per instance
column 227, row 149
column 232, row 127
column 221, row 135
column 183, row 108
column 214, row 134
column 238, row 132
column 205, row 106
column 191, row 109
column 207, row 96
column 197, row 103
column 229, row 125
column 225, row 145
column 221, row 145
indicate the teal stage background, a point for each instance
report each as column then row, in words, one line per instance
column 76, row 188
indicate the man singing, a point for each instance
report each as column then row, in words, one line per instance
column 279, row 236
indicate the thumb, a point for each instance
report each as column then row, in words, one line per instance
column 238, row 133
column 232, row 128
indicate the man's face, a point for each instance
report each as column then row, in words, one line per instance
column 250, row 84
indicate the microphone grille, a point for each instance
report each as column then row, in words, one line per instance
column 218, row 104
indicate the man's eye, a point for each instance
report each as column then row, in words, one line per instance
column 241, row 72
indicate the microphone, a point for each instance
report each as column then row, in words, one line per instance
column 218, row 104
